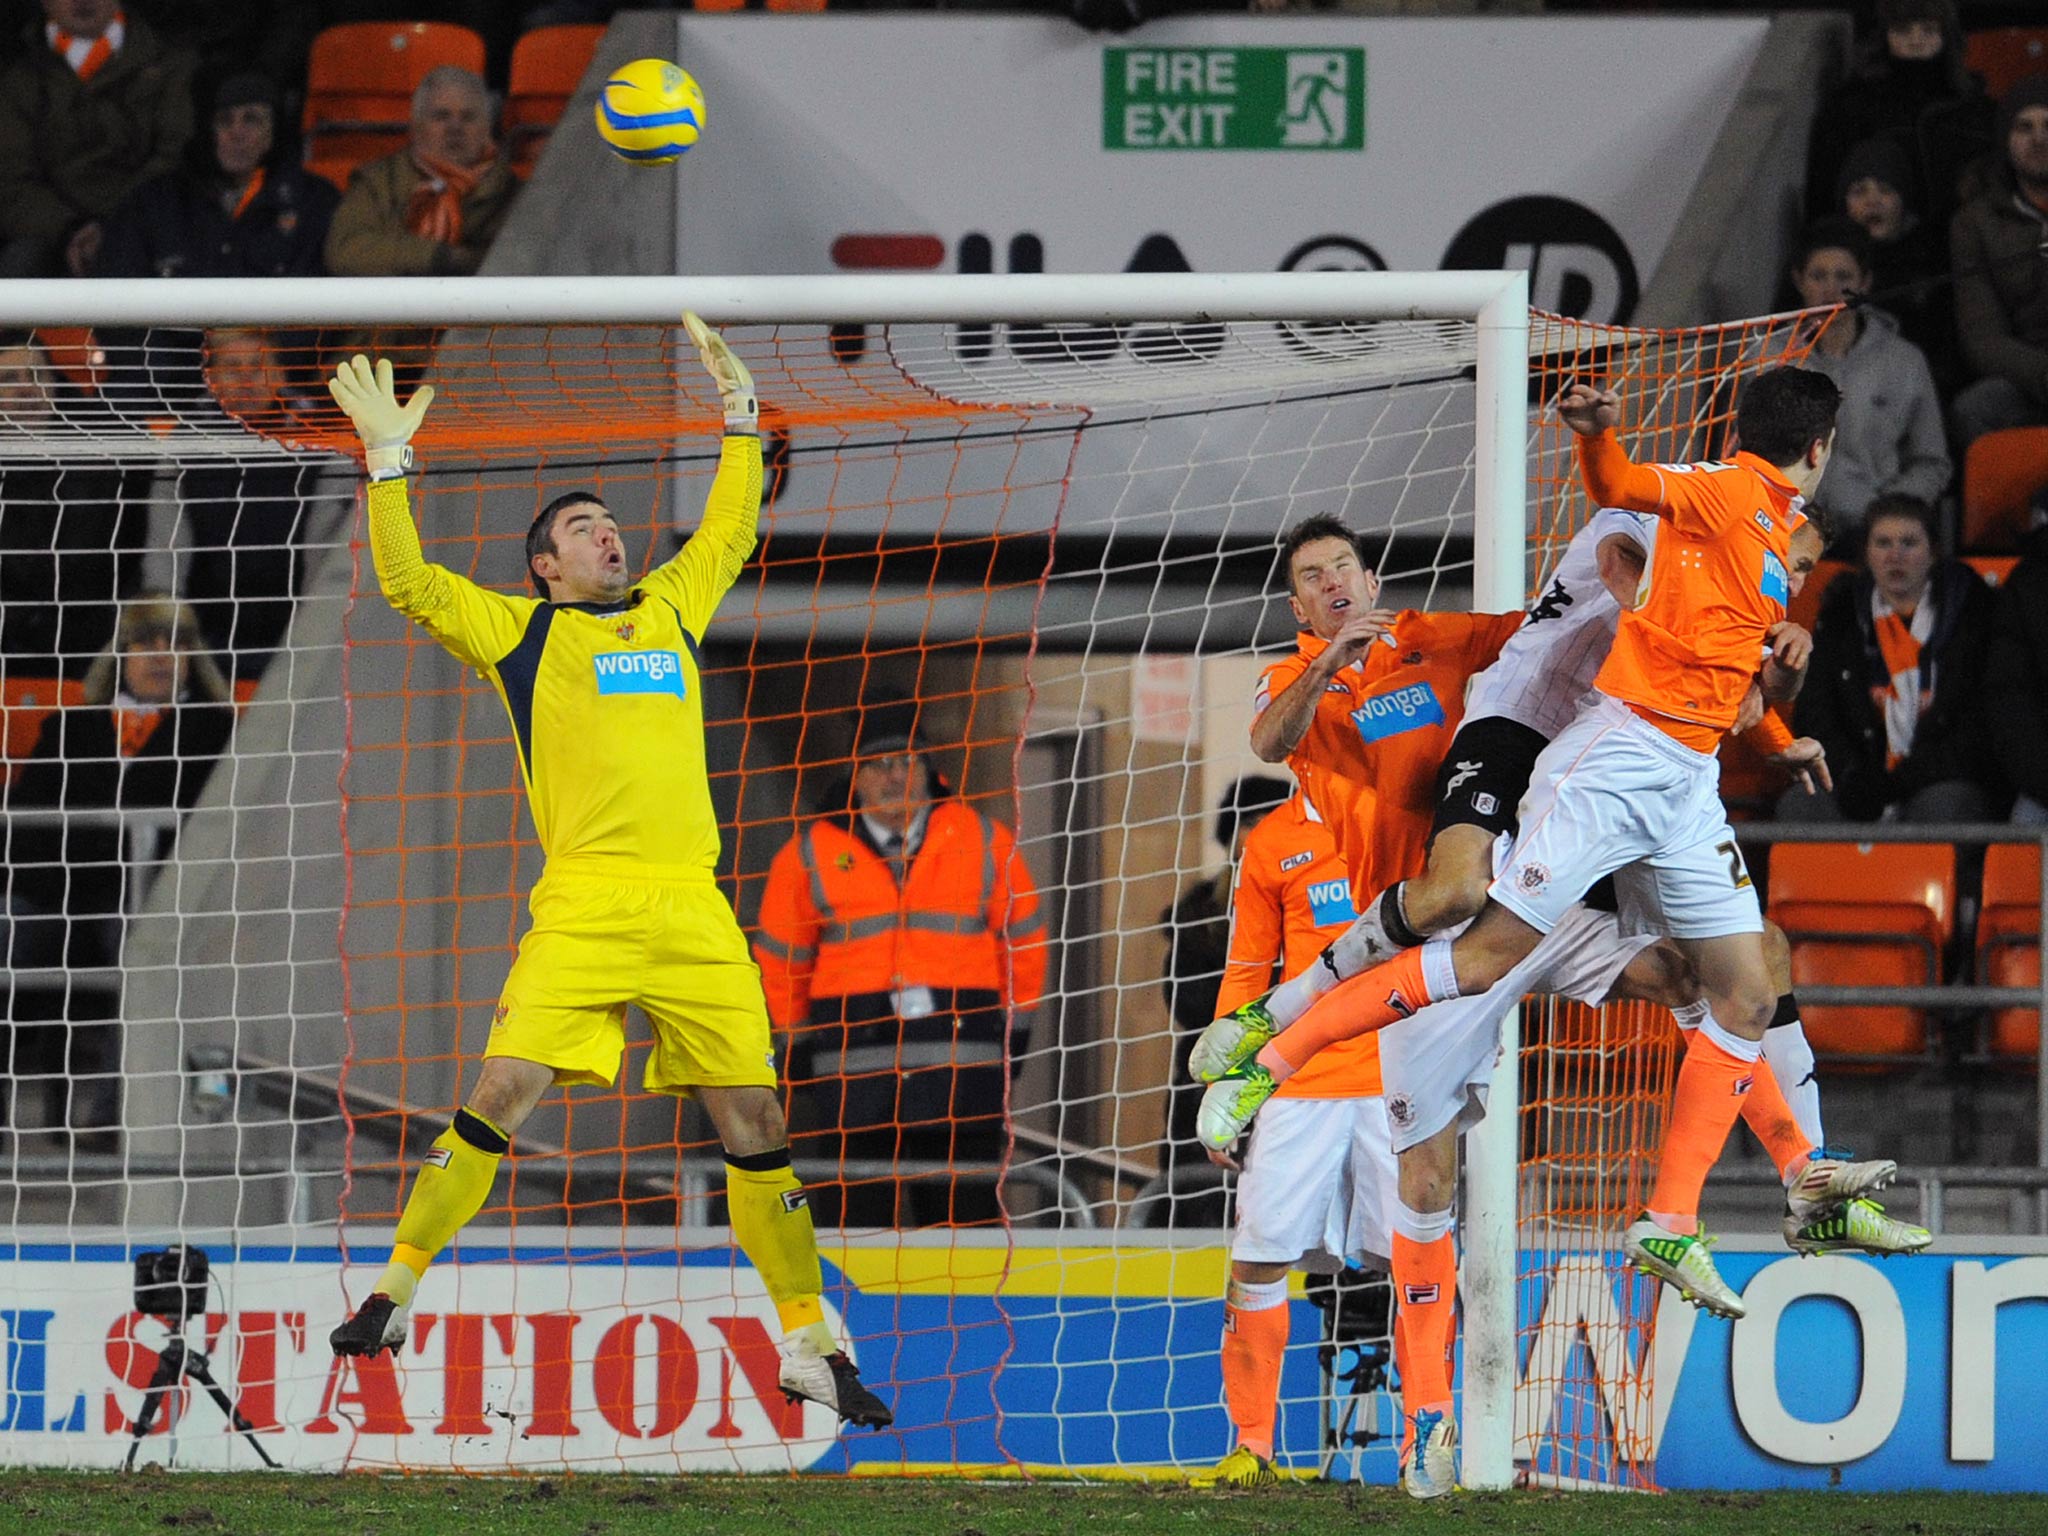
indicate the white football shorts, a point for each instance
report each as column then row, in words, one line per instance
column 1613, row 795
column 1438, row 1065
column 1318, row 1185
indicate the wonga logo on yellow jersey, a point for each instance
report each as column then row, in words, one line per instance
column 640, row 672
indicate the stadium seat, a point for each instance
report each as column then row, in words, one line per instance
column 1805, row 608
column 548, row 64
column 1864, row 914
column 360, row 77
column 1993, row 568
column 25, row 702
column 2004, row 55
column 75, row 352
column 2008, row 942
column 2001, row 473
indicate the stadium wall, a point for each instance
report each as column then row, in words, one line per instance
column 1051, row 1355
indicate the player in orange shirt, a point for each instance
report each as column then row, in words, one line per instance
column 1319, row 1169
column 1630, row 789
column 1363, row 713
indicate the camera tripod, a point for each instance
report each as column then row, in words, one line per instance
column 177, row 1362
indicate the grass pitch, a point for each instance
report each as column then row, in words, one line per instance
column 244, row 1504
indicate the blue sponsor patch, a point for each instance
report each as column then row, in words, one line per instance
column 1329, row 903
column 640, row 672
column 1776, row 585
column 1405, row 709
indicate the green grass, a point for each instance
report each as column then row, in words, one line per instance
column 242, row 1504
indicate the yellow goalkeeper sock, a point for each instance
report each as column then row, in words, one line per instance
column 450, row 1188
column 771, row 1221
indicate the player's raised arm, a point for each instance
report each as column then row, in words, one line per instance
column 709, row 562
column 1611, row 478
column 477, row 625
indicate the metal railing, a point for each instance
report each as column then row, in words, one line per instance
column 1957, row 997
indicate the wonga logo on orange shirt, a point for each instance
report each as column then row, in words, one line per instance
column 1402, row 709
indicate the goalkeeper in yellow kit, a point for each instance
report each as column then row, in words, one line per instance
column 599, row 675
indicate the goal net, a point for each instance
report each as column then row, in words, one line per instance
column 1042, row 514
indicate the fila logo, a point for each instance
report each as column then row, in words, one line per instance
column 1465, row 771
column 437, row 1157
column 1296, row 860
column 1763, row 519
column 1742, row 1086
column 1400, row 1004
column 1421, row 1295
column 640, row 672
column 794, row 1200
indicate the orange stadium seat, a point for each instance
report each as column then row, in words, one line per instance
column 548, row 64
column 360, row 77
column 2005, row 55
column 2001, row 473
column 2009, row 942
column 1865, row 914
column 25, row 702
column 1805, row 608
column 1993, row 568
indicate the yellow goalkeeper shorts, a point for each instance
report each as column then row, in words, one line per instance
column 672, row 946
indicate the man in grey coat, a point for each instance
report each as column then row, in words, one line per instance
column 1999, row 247
column 1888, row 434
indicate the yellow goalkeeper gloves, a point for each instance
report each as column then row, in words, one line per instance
column 370, row 400
column 735, row 384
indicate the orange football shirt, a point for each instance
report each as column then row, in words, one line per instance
column 1291, row 899
column 1369, row 759
column 1718, row 579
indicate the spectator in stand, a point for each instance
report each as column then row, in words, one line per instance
column 434, row 207
column 1908, row 253
column 156, row 715
column 899, row 941
column 96, row 106
column 1908, row 84
column 1998, row 248
column 2016, row 678
column 70, row 536
column 239, row 206
column 1197, row 928
column 1895, row 691
column 273, row 39
column 1888, row 435
column 242, row 522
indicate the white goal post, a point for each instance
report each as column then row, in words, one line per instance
column 1495, row 304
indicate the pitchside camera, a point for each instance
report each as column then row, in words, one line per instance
column 170, row 1283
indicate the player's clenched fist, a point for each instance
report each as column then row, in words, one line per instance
column 1588, row 411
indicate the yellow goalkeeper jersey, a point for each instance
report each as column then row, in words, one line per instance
column 606, row 702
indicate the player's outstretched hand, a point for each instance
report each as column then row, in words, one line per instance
column 1808, row 760
column 735, row 384
column 1588, row 411
column 370, row 400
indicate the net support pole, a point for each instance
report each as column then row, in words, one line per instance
column 1499, row 585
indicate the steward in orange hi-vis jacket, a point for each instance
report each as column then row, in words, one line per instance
column 897, row 941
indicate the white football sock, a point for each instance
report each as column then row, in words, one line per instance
column 1791, row 1060
column 1291, row 999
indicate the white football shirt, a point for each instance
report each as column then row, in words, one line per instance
column 1546, row 669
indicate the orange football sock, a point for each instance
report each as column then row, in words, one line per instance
column 1254, row 1345
column 1426, row 1290
column 1712, row 1083
column 1766, row 1111
column 1368, row 1001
